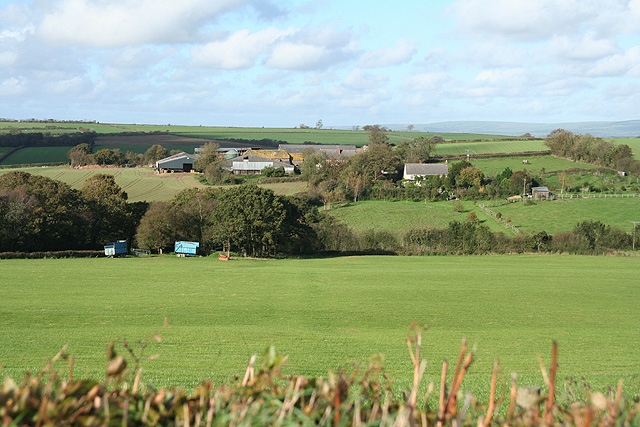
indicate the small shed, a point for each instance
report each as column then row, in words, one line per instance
column 186, row 248
column 540, row 192
column 118, row 248
column 181, row 162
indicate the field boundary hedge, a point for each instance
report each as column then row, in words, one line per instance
column 51, row 254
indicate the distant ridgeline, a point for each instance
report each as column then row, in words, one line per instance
column 38, row 139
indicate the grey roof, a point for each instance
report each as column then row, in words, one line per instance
column 540, row 189
column 176, row 160
column 426, row 169
column 251, row 166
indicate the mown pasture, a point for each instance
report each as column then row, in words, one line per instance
column 551, row 216
column 489, row 147
column 5, row 150
column 562, row 215
column 142, row 183
column 34, row 155
column 396, row 217
column 493, row 166
column 57, row 127
column 325, row 313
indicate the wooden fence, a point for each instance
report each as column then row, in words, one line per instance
column 595, row 196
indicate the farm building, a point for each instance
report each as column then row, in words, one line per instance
column 333, row 151
column 246, row 167
column 540, row 192
column 413, row 170
column 181, row 162
column 252, row 162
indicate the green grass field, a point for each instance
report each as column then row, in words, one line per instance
column 563, row 215
column 489, row 147
column 142, row 183
column 550, row 216
column 32, row 155
column 493, row 166
column 324, row 313
column 399, row 216
column 57, row 128
column 5, row 150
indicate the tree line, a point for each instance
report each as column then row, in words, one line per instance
column 39, row 139
column 83, row 155
column 42, row 214
column 589, row 149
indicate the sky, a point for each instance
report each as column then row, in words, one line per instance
column 283, row 63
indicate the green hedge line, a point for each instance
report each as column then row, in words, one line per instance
column 51, row 254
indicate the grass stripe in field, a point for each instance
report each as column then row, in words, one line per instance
column 324, row 313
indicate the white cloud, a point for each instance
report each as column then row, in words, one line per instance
column 12, row 87
column 240, row 50
column 542, row 19
column 136, row 57
column 508, row 82
column 426, row 81
column 360, row 80
column 618, row 65
column 298, row 56
column 490, row 54
column 586, row 47
column 400, row 54
column 70, row 86
column 106, row 23
column 7, row 58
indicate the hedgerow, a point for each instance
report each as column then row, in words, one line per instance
column 264, row 396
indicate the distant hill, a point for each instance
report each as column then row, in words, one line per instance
column 622, row 129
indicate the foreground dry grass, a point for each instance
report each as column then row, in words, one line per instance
column 263, row 396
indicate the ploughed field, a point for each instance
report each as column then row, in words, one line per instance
column 325, row 313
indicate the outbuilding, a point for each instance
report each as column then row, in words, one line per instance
column 413, row 170
column 181, row 162
column 540, row 192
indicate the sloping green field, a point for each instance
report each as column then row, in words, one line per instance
column 489, row 147
column 399, row 216
column 139, row 183
column 31, row 155
column 324, row 313
column 550, row 216
column 493, row 166
column 142, row 183
column 563, row 215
